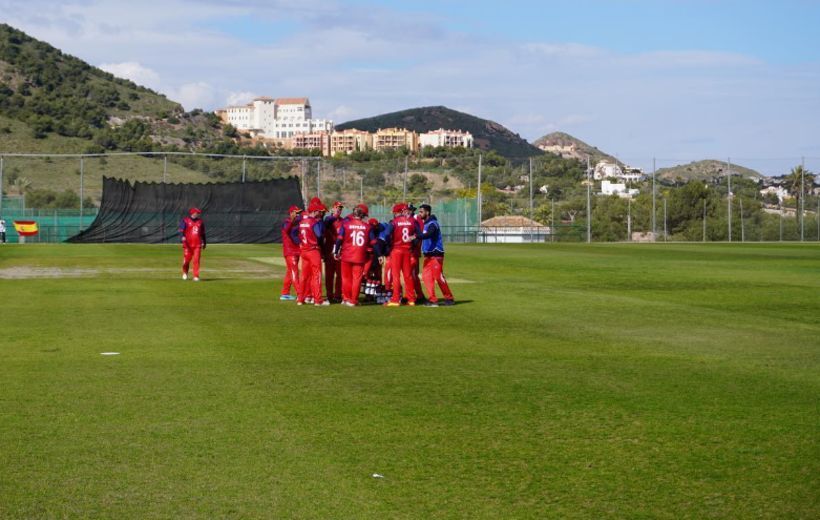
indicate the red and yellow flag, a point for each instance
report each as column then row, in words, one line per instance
column 26, row 228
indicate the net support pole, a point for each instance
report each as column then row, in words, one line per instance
column 82, row 174
column 164, row 169
column 742, row 226
column 629, row 219
column 654, row 211
column 552, row 220
column 1, row 185
column 589, row 205
column 802, row 195
column 704, row 220
column 319, row 179
column 244, row 167
column 478, row 191
column 404, row 182
column 729, row 196
column 665, row 229
column 361, row 190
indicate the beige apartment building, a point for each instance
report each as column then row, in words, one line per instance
column 395, row 138
column 312, row 141
column 349, row 141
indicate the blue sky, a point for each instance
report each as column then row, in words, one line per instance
column 680, row 80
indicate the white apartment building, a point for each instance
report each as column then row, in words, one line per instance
column 446, row 138
column 606, row 170
column 617, row 188
column 275, row 118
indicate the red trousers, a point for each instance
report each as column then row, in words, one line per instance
column 310, row 284
column 351, row 281
column 291, row 274
column 414, row 266
column 333, row 277
column 434, row 273
column 189, row 254
column 400, row 268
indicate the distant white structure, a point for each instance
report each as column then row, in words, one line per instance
column 608, row 170
column 780, row 191
column 275, row 118
column 617, row 188
column 446, row 138
column 511, row 229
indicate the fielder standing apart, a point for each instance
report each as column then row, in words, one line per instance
column 432, row 247
column 290, row 250
column 192, row 230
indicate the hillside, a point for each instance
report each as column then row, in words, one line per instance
column 488, row 135
column 704, row 170
column 571, row 147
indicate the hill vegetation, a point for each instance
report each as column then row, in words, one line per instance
column 581, row 151
column 488, row 135
column 706, row 170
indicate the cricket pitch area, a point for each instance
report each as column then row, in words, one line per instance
column 590, row 381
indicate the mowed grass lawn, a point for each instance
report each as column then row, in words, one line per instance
column 603, row 381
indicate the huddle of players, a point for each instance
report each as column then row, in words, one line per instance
column 358, row 251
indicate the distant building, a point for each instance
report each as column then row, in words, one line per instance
column 781, row 192
column 312, row 141
column 395, row 139
column 512, row 230
column 446, row 139
column 567, row 151
column 274, row 118
column 349, row 141
column 617, row 188
column 609, row 170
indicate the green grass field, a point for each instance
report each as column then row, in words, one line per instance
column 603, row 381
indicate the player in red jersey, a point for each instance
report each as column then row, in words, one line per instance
column 351, row 250
column 311, row 232
column 290, row 250
column 399, row 232
column 192, row 230
column 415, row 258
column 333, row 268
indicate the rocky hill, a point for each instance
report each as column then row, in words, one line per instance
column 570, row 147
column 488, row 135
column 703, row 171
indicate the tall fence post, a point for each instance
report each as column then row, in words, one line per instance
column 704, row 220
column 742, row 226
column 244, row 167
column 665, row 228
column 654, row 211
column 478, row 193
column 404, row 182
column 82, row 173
column 319, row 178
column 1, row 185
column 589, row 204
column 802, row 196
column 164, row 169
column 729, row 196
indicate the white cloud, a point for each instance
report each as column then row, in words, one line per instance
column 239, row 98
column 134, row 71
column 194, row 95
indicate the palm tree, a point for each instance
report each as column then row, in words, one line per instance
column 797, row 181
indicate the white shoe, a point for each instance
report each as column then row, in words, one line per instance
column 324, row 303
column 308, row 300
column 184, row 276
column 196, row 278
column 348, row 304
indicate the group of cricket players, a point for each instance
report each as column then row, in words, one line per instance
column 363, row 260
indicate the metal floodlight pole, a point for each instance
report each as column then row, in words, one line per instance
column 654, row 210
column 589, row 205
column 729, row 196
column 802, row 195
column 82, row 173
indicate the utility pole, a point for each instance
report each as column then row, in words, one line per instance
column 589, row 205
column 404, row 191
column 654, row 211
column 729, row 195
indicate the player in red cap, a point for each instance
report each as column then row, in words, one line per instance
column 192, row 230
column 333, row 268
column 290, row 250
column 311, row 232
column 415, row 257
column 399, row 233
column 351, row 250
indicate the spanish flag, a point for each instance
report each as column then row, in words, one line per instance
column 26, row 228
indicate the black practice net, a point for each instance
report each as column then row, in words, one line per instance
column 233, row 212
